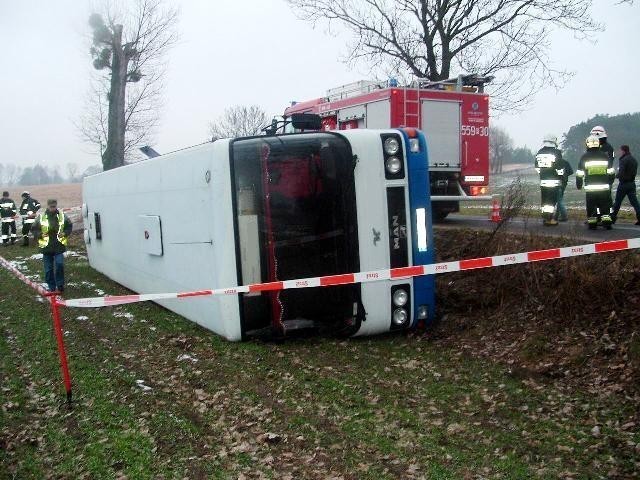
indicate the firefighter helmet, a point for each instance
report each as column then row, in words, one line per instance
column 550, row 140
column 593, row 141
column 598, row 131
column 25, row 194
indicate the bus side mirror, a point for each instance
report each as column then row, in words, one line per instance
column 306, row 121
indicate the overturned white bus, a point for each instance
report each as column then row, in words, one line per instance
column 271, row 208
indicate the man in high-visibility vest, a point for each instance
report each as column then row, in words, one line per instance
column 52, row 229
column 596, row 173
column 28, row 210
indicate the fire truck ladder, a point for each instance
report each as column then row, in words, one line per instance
column 415, row 102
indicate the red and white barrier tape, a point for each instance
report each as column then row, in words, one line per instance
column 349, row 278
column 71, row 209
column 371, row 276
column 36, row 286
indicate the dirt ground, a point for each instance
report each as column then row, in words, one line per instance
column 531, row 372
column 67, row 194
column 574, row 322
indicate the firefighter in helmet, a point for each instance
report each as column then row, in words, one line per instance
column 8, row 212
column 596, row 173
column 28, row 209
column 605, row 146
column 550, row 167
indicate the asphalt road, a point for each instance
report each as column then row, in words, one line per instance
column 572, row 228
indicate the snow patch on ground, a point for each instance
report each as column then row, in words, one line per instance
column 84, row 283
column 71, row 253
column 19, row 264
column 82, row 317
column 127, row 315
column 37, row 256
column 145, row 388
column 185, row 357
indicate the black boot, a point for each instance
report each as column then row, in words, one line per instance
column 25, row 241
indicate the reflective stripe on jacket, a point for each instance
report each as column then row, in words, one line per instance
column 8, row 208
column 595, row 170
column 29, row 207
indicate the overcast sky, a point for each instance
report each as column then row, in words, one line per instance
column 254, row 52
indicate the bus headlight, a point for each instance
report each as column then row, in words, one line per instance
column 400, row 316
column 400, row 298
column 393, row 164
column 423, row 312
column 391, row 146
column 414, row 145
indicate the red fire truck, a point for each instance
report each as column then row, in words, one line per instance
column 454, row 114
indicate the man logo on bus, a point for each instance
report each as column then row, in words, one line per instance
column 376, row 236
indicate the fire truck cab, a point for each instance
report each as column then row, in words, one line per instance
column 453, row 114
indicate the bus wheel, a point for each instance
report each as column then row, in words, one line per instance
column 439, row 215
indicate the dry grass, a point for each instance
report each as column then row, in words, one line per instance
column 574, row 318
column 394, row 406
column 67, row 194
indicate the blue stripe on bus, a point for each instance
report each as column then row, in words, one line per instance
column 420, row 197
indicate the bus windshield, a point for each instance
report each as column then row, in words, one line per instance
column 296, row 217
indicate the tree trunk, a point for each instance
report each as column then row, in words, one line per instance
column 114, row 153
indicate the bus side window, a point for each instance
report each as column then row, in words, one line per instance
column 96, row 217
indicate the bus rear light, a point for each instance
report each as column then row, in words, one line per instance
column 400, row 317
column 393, row 165
column 400, row 306
column 394, row 168
column 391, row 146
column 400, row 298
column 478, row 190
column 411, row 132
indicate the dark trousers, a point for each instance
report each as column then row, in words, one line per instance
column 549, row 197
column 599, row 206
column 562, row 208
column 26, row 228
column 626, row 189
column 6, row 227
column 54, row 270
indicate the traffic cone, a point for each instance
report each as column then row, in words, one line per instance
column 495, row 210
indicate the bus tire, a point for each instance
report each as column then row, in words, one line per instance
column 439, row 215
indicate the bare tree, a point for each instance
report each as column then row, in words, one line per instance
column 10, row 174
column 512, row 205
column 436, row 39
column 239, row 121
column 500, row 148
column 72, row 171
column 129, row 48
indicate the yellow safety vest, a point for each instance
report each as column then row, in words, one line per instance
column 43, row 241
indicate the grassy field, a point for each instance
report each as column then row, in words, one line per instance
column 158, row 397
column 68, row 194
